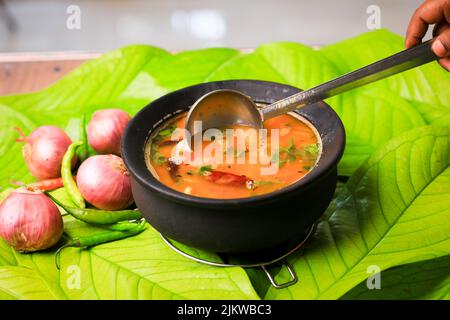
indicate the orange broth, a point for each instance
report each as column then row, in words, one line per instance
column 298, row 152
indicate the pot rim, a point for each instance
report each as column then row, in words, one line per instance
column 140, row 172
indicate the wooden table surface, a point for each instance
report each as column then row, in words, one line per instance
column 27, row 72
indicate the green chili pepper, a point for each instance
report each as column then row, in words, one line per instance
column 99, row 238
column 83, row 149
column 107, row 236
column 68, row 180
column 96, row 216
column 121, row 226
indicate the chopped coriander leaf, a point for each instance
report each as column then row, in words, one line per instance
column 307, row 167
column 277, row 160
column 291, row 148
column 167, row 132
column 265, row 182
column 292, row 145
column 290, row 151
column 312, row 149
column 157, row 157
column 204, row 170
column 190, row 172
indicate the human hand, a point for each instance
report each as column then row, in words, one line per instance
column 432, row 12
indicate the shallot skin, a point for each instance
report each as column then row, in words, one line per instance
column 105, row 130
column 30, row 221
column 104, row 182
column 43, row 152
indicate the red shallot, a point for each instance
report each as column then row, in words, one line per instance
column 30, row 221
column 43, row 151
column 105, row 130
column 104, row 181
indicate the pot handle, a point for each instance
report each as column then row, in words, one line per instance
column 276, row 285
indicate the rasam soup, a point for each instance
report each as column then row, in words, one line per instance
column 236, row 176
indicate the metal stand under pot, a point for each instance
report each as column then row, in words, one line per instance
column 262, row 259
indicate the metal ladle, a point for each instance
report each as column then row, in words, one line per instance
column 222, row 108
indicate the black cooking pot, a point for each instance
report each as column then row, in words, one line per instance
column 233, row 225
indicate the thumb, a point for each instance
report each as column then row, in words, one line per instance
column 441, row 46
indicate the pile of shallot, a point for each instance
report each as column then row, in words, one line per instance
column 29, row 220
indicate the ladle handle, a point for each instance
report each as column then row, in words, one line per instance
column 399, row 62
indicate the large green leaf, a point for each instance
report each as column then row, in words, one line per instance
column 173, row 72
column 420, row 280
column 428, row 83
column 20, row 272
column 12, row 163
column 143, row 267
column 7, row 254
column 371, row 122
column 394, row 210
column 423, row 91
column 44, row 271
column 433, row 114
column 23, row 283
column 189, row 67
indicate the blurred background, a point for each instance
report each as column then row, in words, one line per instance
column 100, row 25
